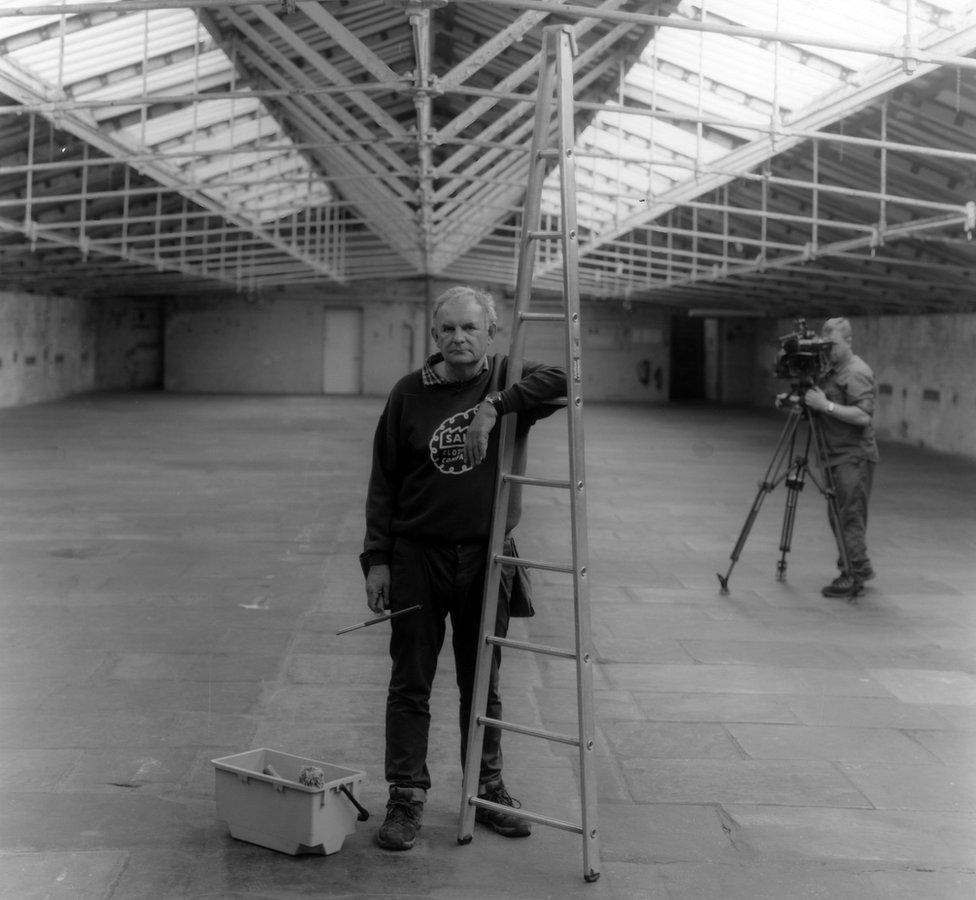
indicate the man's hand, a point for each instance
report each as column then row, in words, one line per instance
column 476, row 442
column 378, row 588
column 816, row 399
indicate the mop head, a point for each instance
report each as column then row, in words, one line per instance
column 311, row 776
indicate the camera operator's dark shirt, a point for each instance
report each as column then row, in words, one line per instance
column 851, row 384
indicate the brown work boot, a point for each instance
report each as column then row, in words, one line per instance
column 404, row 816
column 507, row 824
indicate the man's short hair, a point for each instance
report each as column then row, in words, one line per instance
column 840, row 325
column 464, row 292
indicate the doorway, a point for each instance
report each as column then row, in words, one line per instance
column 687, row 358
column 342, row 351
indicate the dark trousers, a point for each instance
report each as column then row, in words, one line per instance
column 852, row 486
column 448, row 581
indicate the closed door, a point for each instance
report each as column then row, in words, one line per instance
column 342, row 351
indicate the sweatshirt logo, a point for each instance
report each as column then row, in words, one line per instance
column 447, row 443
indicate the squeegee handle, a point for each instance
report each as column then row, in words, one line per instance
column 363, row 812
column 383, row 618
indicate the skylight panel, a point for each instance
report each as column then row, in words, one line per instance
column 675, row 94
column 106, row 46
column 745, row 80
column 212, row 71
column 164, row 52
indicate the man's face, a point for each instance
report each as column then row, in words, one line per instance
column 839, row 347
column 461, row 333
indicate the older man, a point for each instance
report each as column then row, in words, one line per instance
column 428, row 513
column 845, row 400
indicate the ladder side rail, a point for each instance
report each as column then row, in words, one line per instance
column 581, row 592
column 489, row 612
column 506, row 450
column 532, row 211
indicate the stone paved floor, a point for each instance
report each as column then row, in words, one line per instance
column 173, row 571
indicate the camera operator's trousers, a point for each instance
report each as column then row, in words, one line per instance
column 447, row 580
column 852, row 486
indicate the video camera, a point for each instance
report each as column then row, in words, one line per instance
column 803, row 358
column 802, row 355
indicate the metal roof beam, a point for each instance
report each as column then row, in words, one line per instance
column 499, row 42
column 332, row 118
column 818, row 115
column 16, row 85
column 523, row 73
column 452, row 242
column 321, row 64
column 907, row 56
column 338, row 32
column 159, row 259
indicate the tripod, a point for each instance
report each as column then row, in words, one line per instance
column 792, row 466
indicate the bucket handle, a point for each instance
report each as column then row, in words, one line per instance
column 363, row 812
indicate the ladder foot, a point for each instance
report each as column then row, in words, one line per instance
column 723, row 582
column 464, row 841
column 590, row 877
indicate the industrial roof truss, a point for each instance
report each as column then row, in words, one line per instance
column 747, row 155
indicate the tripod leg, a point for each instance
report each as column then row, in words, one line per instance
column 794, row 484
column 783, row 451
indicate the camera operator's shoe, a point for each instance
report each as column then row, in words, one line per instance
column 844, row 586
column 861, row 575
column 507, row 824
column 404, row 816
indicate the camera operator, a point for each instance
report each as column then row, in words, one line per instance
column 844, row 396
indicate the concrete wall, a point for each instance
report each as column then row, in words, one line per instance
column 53, row 347
column 394, row 343
column 47, row 348
column 128, row 345
column 232, row 345
column 276, row 345
column 625, row 358
column 925, row 368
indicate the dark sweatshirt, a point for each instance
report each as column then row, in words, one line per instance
column 420, row 487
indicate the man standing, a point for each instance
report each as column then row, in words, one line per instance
column 845, row 400
column 428, row 515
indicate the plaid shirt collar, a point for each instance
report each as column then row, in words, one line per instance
column 430, row 377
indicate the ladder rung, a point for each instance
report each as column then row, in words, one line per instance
column 542, row 317
column 549, row 153
column 532, row 648
column 527, row 814
column 544, row 235
column 532, row 564
column 537, row 481
column 531, row 732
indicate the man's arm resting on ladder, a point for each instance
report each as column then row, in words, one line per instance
column 542, row 389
